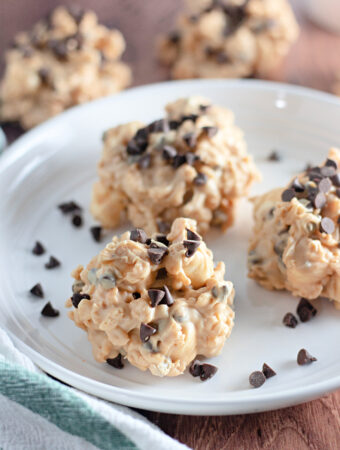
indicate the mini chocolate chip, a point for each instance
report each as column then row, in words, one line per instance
column 157, row 254
column 174, row 37
column 305, row 310
column 207, row 371
column 168, row 298
column 328, row 171
column 135, row 148
column 77, row 298
column 144, row 161
column 77, row 220
column 52, row 263
column 169, row 152
column 142, row 135
column 204, row 108
column 325, row 185
column 191, row 247
column 37, row 291
column 268, row 372
column 305, row 357
column 331, row 163
column 138, row 235
column 290, row 320
column 190, row 158
column 190, row 139
column 327, row 225
column 69, row 207
column 274, row 156
column 156, row 296
column 136, row 295
column 319, row 200
column 116, row 362
column 38, row 249
column 288, row 195
column 336, row 180
column 162, row 238
column 192, row 117
column 178, row 161
column 195, row 368
column 210, row 131
column 96, row 233
column 146, row 331
column 49, row 311
column 192, row 236
column 200, row 179
column 297, row 186
column 44, row 75
column 159, row 126
column 256, row 379
column 174, row 124
column 163, row 227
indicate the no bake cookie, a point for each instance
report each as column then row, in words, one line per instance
column 67, row 59
column 157, row 302
column 229, row 39
column 193, row 163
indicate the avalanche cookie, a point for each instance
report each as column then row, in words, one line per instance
column 158, row 302
column 64, row 60
column 234, row 38
column 295, row 244
column 193, row 163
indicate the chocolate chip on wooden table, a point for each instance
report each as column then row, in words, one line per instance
column 146, row 331
column 210, row 131
column 304, row 357
column 327, row 225
column 257, row 378
column 290, row 320
column 200, row 179
column 156, row 254
column 156, row 296
column 37, row 290
column 69, row 207
column 38, row 249
column 49, row 311
column 305, row 310
column 191, row 247
column 274, row 156
column 52, row 263
column 192, row 236
column 77, row 221
column 116, row 362
column 96, row 233
column 268, row 372
column 138, row 235
column 78, row 297
column 288, row 195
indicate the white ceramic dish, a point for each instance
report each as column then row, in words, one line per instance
column 56, row 162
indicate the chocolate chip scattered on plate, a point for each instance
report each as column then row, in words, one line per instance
column 49, row 311
column 257, row 378
column 274, row 156
column 52, row 263
column 200, row 179
column 116, row 362
column 69, row 207
column 96, row 233
column 290, row 320
column 38, row 249
column 77, row 220
column 268, row 372
column 304, row 357
column 37, row 291
column 203, row 370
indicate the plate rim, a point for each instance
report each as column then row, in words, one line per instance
column 148, row 401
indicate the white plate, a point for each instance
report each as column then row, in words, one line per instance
column 57, row 162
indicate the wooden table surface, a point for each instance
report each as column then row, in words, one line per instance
column 313, row 62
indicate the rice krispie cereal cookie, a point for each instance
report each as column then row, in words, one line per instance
column 229, row 38
column 194, row 163
column 67, row 59
column 157, row 302
column 296, row 239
